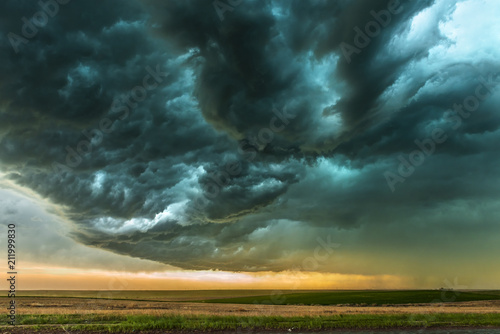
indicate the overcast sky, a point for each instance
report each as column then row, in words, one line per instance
column 254, row 137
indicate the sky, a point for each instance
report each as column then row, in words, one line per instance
column 193, row 144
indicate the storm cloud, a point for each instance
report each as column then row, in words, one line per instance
column 233, row 137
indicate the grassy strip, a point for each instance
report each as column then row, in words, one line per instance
column 116, row 323
column 64, row 319
column 361, row 298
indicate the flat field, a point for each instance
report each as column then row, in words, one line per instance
column 363, row 297
column 214, row 310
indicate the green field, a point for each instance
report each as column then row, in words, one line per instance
column 155, row 295
column 362, row 297
column 116, row 323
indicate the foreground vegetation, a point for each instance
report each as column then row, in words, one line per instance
column 118, row 323
column 363, row 297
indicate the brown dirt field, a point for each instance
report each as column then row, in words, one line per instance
column 35, row 305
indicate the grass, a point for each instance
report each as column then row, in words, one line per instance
column 65, row 319
column 361, row 297
column 98, row 321
column 117, row 323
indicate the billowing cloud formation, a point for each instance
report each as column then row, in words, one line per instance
column 233, row 136
column 42, row 239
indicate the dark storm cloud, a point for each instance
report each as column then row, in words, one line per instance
column 253, row 60
column 254, row 135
